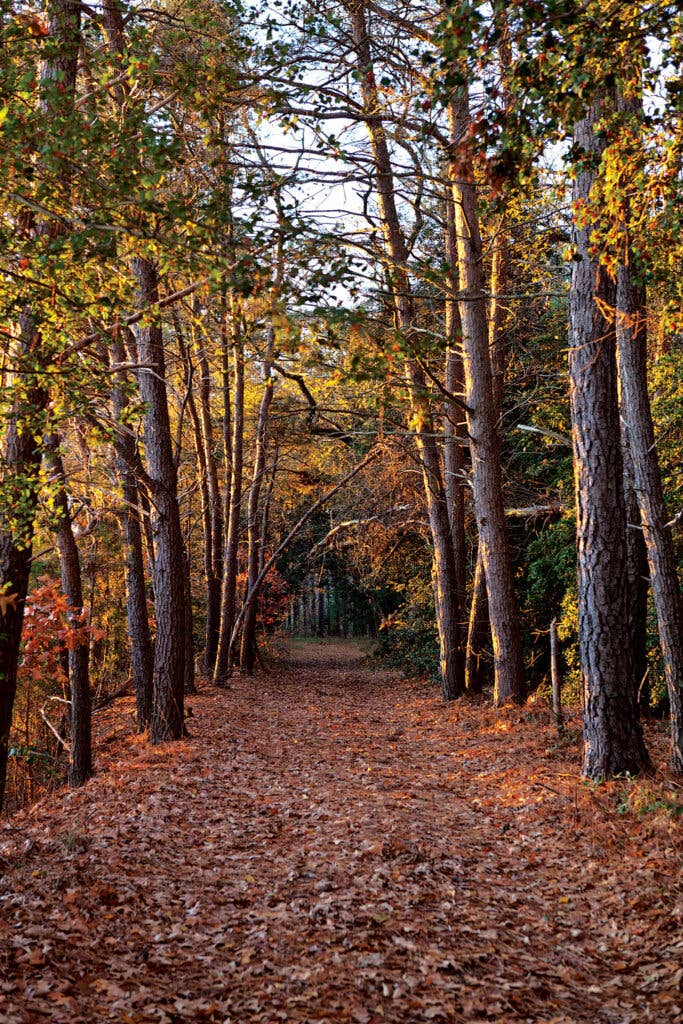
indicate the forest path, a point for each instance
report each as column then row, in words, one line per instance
column 333, row 844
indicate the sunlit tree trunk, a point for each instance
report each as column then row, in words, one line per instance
column 215, row 524
column 613, row 740
column 482, row 425
column 455, row 430
column 248, row 647
column 169, row 559
column 637, row 417
column 445, row 576
column 234, row 508
column 126, row 458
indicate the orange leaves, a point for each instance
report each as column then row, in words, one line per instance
column 7, row 601
column 259, row 872
column 50, row 629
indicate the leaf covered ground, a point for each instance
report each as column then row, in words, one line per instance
column 332, row 844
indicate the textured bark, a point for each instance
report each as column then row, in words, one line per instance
column 234, row 507
column 482, row 425
column 254, row 562
column 637, row 574
column 446, row 592
column 479, row 630
column 169, row 565
column 21, row 465
column 189, row 683
column 613, row 740
column 637, row 417
column 214, row 565
column 80, row 764
column 478, row 656
column 126, row 459
column 455, row 428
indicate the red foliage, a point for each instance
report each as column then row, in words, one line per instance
column 50, row 630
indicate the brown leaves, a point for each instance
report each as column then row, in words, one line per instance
column 336, row 846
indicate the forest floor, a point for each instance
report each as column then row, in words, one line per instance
column 333, row 844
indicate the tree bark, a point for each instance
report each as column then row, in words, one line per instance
column 169, row 561
column 234, row 508
column 215, row 511
column 613, row 739
column 26, row 425
column 126, row 460
column 248, row 647
column 446, row 593
column 482, row 425
column 637, row 417
column 479, row 630
column 21, row 466
column 80, row 764
column 455, row 429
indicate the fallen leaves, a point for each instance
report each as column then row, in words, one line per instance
column 289, row 863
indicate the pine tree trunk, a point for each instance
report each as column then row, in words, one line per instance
column 637, row 574
column 482, row 424
column 635, row 404
column 126, row 458
column 215, row 511
column 169, row 566
column 479, row 631
column 20, row 469
column 446, row 592
column 613, row 740
column 248, row 647
column 26, row 425
column 234, row 507
column 455, row 428
column 80, row 765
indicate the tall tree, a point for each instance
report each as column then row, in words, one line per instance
column 169, row 555
column 449, row 613
column 482, row 421
column 613, row 739
column 80, row 765
column 26, row 426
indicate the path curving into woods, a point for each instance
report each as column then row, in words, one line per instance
column 333, row 844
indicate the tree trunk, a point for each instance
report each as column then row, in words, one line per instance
column 215, row 512
column 21, row 468
column 189, row 684
column 637, row 573
column 637, row 416
column 479, row 630
column 446, row 593
column 482, row 424
column 248, row 648
column 613, row 740
column 477, row 658
column 126, row 460
column 169, row 564
column 455, row 429
column 22, row 456
column 234, row 503
column 80, row 765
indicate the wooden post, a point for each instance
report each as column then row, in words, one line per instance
column 555, row 677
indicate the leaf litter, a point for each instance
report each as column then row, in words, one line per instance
column 332, row 844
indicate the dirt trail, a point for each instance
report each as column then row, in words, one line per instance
column 333, row 844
